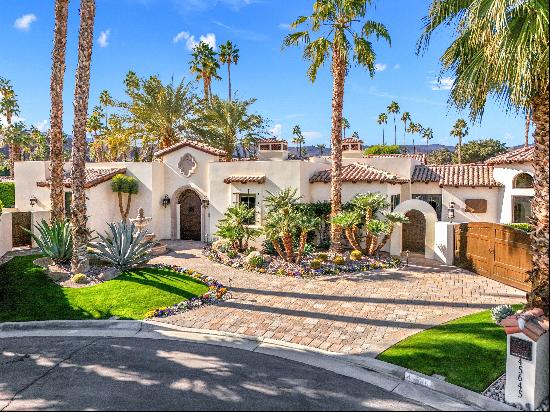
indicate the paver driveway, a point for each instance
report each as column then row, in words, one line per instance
column 360, row 314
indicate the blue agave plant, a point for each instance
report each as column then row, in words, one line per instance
column 54, row 241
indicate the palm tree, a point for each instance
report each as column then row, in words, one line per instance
column 501, row 49
column 428, row 134
column 528, row 121
column 405, row 118
column 321, row 148
column 229, row 54
column 298, row 139
column 79, row 219
column 345, row 126
column 392, row 219
column 394, row 109
column 335, row 21
column 205, row 65
column 9, row 107
column 383, row 120
column 413, row 129
column 460, row 131
column 369, row 204
column 223, row 123
column 349, row 222
column 57, row 198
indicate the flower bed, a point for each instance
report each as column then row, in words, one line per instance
column 216, row 293
column 308, row 268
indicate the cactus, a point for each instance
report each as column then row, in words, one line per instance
column 501, row 312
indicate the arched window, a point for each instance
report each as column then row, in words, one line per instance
column 524, row 181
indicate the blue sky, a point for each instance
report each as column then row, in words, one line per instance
column 140, row 35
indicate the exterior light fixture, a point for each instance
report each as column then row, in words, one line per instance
column 205, row 203
column 33, row 200
column 452, row 212
column 165, row 201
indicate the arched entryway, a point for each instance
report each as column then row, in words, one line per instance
column 190, row 218
column 414, row 233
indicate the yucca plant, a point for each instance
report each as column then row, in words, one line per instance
column 123, row 247
column 54, row 241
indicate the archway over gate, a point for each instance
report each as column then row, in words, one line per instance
column 423, row 219
column 189, row 213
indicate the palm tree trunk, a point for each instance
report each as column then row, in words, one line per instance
column 287, row 244
column 302, row 247
column 352, row 238
column 229, row 78
column 11, row 159
column 385, row 239
column 405, row 135
column 206, row 88
column 338, row 80
column 277, row 248
column 460, row 150
column 395, row 131
column 57, row 199
column 383, row 136
column 528, row 120
column 79, row 219
column 539, row 276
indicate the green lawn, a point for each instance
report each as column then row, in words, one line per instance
column 26, row 293
column 470, row 352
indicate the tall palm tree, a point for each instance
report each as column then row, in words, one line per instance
column 405, row 118
column 336, row 21
column 394, row 109
column 413, row 129
column 57, row 198
column 298, row 139
column 345, row 126
column 205, row 65
column 501, row 49
column 428, row 134
column 229, row 54
column 79, row 219
column 9, row 108
column 460, row 131
column 321, row 148
column 382, row 121
column 528, row 121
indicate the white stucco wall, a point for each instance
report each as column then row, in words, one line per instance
column 5, row 233
column 444, row 242
column 506, row 175
column 26, row 176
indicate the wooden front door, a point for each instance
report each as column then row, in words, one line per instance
column 21, row 221
column 414, row 233
column 190, row 216
column 495, row 251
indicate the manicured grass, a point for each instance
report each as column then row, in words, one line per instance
column 470, row 352
column 26, row 293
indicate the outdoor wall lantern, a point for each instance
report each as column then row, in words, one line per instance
column 33, row 200
column 205, row 203
column 166, row 201
column 452, row 211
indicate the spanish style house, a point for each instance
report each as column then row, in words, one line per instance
column 189, row 187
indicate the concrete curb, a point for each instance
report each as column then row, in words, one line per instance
column 424, row 389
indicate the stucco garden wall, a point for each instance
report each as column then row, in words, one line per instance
column 26, row 176
column 5, row 233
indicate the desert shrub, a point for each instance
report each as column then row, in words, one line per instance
column 231, row 254
column 255, row 260
column 80, row 279
column 524, row 227
column 315, row 264
column 1, row 207
column 54, row 241
column 339, row 260
column 356, row 255
column 7, row 194
column 123, row 247
column 383, row 150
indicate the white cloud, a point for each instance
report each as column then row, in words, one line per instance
column 380, row 67
column 191, row 42
column 42, row 126
column 200, row 5
column 312, row 135
column 24, row 22
column 277, row 130
column 445, row 83
column 15, row 119
column 284, row 26
column 397, row 66
column 103, row 39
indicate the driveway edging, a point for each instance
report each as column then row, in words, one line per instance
column 410, row 384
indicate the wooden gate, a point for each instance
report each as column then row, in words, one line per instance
column 190, row 216
column 495, row 251
column 19, row 221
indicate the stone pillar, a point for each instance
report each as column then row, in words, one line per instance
column 527, row 371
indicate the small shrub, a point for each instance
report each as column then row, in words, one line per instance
column 80, row 279
column 383, row 150
column 323, row 257
column 339, row 260
column 315, row 264
column 524, row 227
column 7, row 194
column 501, row 312
column 356, row 255
column 54, row 241
column 255, row 260
column 232, row 254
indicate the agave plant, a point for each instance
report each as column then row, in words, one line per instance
column 54, row 241
column 124, row 247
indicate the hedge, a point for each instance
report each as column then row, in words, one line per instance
column 7, row 194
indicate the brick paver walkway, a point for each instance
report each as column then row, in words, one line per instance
column 360, row 314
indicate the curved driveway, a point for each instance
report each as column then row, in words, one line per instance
column 140, row 374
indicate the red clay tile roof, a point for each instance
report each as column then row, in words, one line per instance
column 245, row 179
column 357, row 172
column 472, row 175
column 191, row 143
column 352, row 140
column 422, row 158
column 522, row 155
column 94, row 177
column 271, row 140
column 6, row 179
